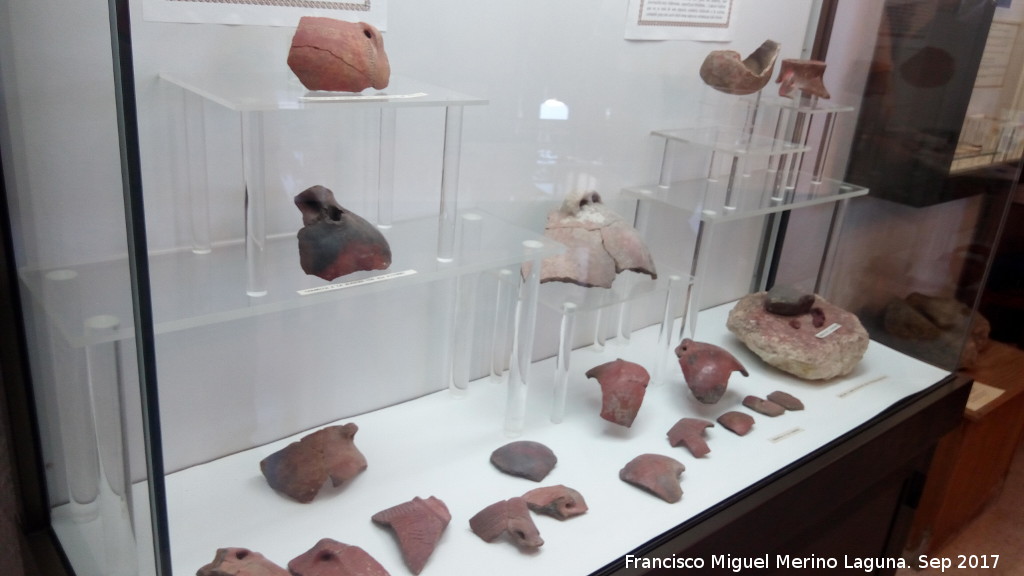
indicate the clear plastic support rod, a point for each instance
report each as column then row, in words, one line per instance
column 465, row 304
column 449, row 183
column 823, row 147
column 255, row 204
column 503, row 308
column 698, row 268
column 386, row 168
column 522, row 344
column 665, row 175
column 823, row 281
column 565, row 338
column 198, row 183
column 665, row 341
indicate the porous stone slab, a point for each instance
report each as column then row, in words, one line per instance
column 798, row 347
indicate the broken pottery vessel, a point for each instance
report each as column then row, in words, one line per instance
column 558, row 501
column 762, row 406
column 829, row 349
column 338, row 56
column 240, row 562
column 737, row 422
column 334, row 241
column 510, row 516
column 689, row 433
column 599, row 244
column 724, row 71
column 623, row 385
column 418, row 525
column 786, row 400
column 656, row 474
column 332, row 558
column 706, row 368
column 525, row 459
column 803, row 76
column 300, row 469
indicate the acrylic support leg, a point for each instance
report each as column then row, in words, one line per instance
column 823, row 147
column 665, row 175
column 503, row 309
column 255, row 204
column 823, row 281
column 565, row 338
column 666, row 344
column 449, row 183
column 698, row 269
column 522, row 344
column 103, row 362
column 465, row 304
column 74, row 404
column 386, row 169
column 198, row 181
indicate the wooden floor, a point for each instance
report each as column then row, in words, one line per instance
column 995, row 537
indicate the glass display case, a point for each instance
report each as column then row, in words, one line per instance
column 196, row 387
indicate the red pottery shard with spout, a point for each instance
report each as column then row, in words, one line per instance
column 689, row 432
column 707, row 368
column 656, row 474
column 240, row 562
column 338, row 56
column 724, row 71
column 300, row 469
column 623, row 385
column 334, row 241
column 804, row 76
column 332, row 558
column 418, row 525
column 510, row 516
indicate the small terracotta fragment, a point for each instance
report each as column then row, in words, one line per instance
column 418, row 525
column 706, row 368
column 334, row 241
column 332, row 558
column 240, row 562
column 558, row 501
column 787, row 401
column 804, row 76
column 525, row 459
column 762, row 406
column 599, row 244
column 301, row 468
column 723, row 70
column 737, row 422
column 338, row 56
column 785, row 300
column 511, row 516
column 689, row 432
column 656, row 474
column 623, row 385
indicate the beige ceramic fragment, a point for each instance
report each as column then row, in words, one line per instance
column 332, row 558
column 418, row 525
column 240, row 562
column 737, row 422
column 724, row 71
column 300, row 469
column 623, row 385
column 338, row 56
column 558, row 501
column 510, row 516
column 689, row 433
column 656, row 474
column 762, row 406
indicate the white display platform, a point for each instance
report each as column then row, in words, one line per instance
column 439, row 445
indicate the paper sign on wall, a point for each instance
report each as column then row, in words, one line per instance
column 264, row 12
column 679, row 20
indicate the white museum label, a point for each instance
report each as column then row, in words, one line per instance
column 787, row 434
column 353, row 283
column 831, row 328
column 861, row 386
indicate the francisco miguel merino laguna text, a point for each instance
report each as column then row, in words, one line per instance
column 740, row 563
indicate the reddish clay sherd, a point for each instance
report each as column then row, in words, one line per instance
column 525, row 459
column 803, row 76
column 737, row 422
column 656, row 474
column 240, row 562
column 334, row 241
column 510, row 516
column 418, row 525
column 558, row 501
column 724, row 71
column 707, row 368
column 762, row 406
column 689, row 433
column 338, row 56
column 300, row 469
column 787, row 401
column 332, row 558
column 623, row 385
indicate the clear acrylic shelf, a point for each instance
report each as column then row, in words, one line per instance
column 755, row 194
column 193, row 290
